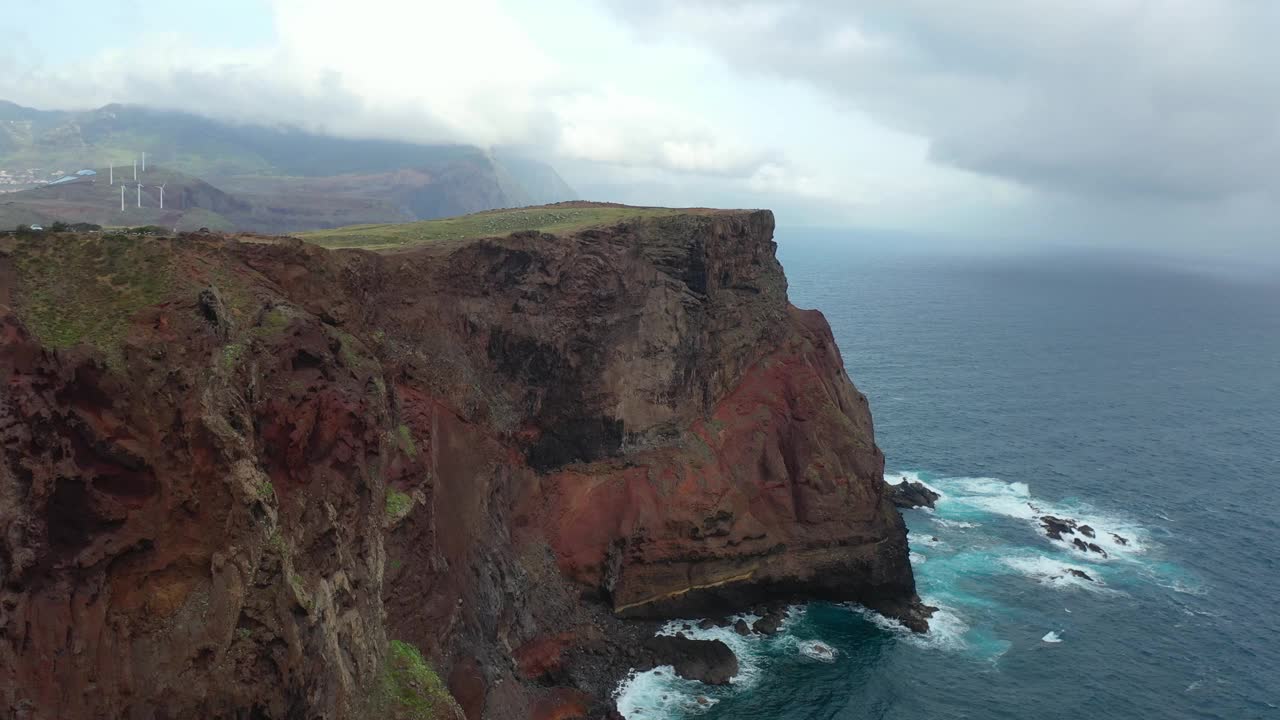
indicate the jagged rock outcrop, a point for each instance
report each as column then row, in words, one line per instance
column 707, row 661
column 233, row 472
column 912, row 494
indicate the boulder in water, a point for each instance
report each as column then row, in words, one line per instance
column 1086, row 531
column 1080, row 545
column 1080, row 574
column 1056, row 527
column 741, row 628
column 707, row 661
column 1119, row 539
column 769, row 624
column 907, row 494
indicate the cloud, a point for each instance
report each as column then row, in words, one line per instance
column 610, row 126
column 423, row 71
column 1098, row 98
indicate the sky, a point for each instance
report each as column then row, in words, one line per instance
column 1105, row 122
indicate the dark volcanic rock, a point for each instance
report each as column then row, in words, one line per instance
column 907, row 494
column 1057, row 527
column 1098, row 549
column 769, row 624
column 1086, row 531
column 1080, row 574
column 741, row 628
column 707, row 661
column 914, row 615
column 1080, row 545
column 1120, row 539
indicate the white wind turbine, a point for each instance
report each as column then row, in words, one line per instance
column 161, row 186
column 135, row 168
column 139, row 194
column 112, row 175
column 121, row 197
column 144, row 162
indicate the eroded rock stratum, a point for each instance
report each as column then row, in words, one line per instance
column 235, row 471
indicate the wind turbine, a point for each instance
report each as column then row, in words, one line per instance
column 135, row 168
column 161, row 186
column 144, row 162
column 139, row 194
column 121, row 197
column 112, row 175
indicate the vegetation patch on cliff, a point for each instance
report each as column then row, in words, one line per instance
column 398, row 505
column 552, row 219
column 87, row 290
column 409, row 689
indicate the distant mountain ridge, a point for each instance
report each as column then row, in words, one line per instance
column 307, row 180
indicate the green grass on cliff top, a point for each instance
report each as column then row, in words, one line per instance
column 554, row 219
column 87, row 289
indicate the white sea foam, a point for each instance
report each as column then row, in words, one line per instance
column 1054, row 573
column 1051, row 637
column 897, row 476
column 956, row 524
column 968, row 497
column 926, row 540
column 918, row 559
column 659, row 694
column 990, row 495
column 819, row 651
column 1179, row 586
column 946, row 628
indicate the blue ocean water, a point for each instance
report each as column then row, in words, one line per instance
column 1137, row 397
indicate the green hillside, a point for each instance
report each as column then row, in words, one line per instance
column 289, row 179
column 563, row 218
column 223, row 153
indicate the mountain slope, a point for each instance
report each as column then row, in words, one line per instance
column 190, row 203
column 292, row 169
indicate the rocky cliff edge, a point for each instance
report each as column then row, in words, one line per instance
column 255, row 478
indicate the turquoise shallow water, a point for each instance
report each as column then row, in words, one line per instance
column 1140, row 399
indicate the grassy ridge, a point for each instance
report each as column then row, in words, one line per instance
column 551, row 219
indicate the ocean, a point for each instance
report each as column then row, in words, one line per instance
column 1135, row 396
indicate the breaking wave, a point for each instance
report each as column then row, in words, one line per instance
column 982, row 532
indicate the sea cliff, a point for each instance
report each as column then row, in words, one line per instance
column 253, row 477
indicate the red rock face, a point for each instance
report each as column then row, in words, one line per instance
column 491, row 449
column 778, row 494
column 179, row 546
